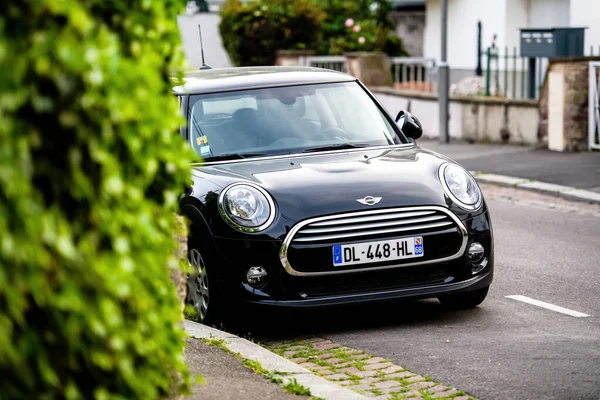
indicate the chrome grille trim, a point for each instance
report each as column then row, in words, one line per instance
column 373, row 218
column 374, row 225
column 369, row 233
column 369, row 216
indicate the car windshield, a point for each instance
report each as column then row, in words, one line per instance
column 287, row 120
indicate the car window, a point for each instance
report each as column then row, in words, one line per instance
column 286, row 120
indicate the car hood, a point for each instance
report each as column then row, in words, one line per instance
column 328, row 183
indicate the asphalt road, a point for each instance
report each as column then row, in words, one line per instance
column 546, row 249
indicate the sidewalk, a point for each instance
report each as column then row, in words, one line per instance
column 221, row 363
column 226, row 378
column 578, row 170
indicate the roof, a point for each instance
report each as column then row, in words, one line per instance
column 227, row 79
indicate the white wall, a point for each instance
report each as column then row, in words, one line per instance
column 517, row 16
column 586, row 13
column 549, row 13
column 462, row 29
column 214, row 52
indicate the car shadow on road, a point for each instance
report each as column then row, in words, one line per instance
column 279, row 324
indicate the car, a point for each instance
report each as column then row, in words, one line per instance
column 309, row 194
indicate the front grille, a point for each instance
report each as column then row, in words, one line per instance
column 373, row 225
column 307, row 250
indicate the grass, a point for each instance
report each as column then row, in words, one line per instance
column 294, row 387
column 189, row 312
column 255, row 366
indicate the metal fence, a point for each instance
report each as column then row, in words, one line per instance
column 336, row 63
column 507, row 73
column 408, row 72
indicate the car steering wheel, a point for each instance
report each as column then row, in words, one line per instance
column 332, row 133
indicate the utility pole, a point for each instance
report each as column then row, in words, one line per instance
column 444, row 78
column 479, row 70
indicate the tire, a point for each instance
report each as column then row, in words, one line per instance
column 463, row 301
column 202, row 290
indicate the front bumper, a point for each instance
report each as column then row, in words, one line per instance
column 283, row 289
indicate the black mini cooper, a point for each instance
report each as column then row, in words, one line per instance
column 311, row 195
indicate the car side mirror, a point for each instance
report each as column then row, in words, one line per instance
column 409, row 125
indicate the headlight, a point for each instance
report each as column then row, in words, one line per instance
column 246, row 207
column 460, row 186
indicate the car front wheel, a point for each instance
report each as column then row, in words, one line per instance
column 201, row 292
column 464, row 301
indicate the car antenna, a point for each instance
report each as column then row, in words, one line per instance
column 204, row 66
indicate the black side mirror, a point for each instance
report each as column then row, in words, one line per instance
column 409, row 125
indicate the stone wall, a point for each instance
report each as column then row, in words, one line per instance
column 476, row 119
column 564, row 104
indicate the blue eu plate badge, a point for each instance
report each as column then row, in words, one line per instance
column 418, row 245
column 337, row 255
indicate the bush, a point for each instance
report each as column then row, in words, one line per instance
column 91, row 167
column 253, row 31
column 362, row 25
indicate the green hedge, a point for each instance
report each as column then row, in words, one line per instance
column 253, row 31
column 91, row 167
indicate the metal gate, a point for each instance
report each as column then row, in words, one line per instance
column 594, row 107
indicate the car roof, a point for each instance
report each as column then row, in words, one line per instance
column 228, row 79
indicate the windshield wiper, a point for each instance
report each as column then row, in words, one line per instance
column 339, row 146
column 234, row 156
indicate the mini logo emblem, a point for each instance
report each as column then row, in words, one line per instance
column 369, row 200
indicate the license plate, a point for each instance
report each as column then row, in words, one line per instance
column 372, row 252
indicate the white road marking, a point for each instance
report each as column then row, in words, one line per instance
column 548, row 306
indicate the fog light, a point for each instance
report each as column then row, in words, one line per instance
column 476, row 252
column 256, row 276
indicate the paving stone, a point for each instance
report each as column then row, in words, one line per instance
column 299, row 360
column 462, row 398
column 370, row 367
column 360, row 356
column 392, row 369
column 371, row 394
column 422, row 385
column 416, row 378
column 297, row 348
column 387, row 384
column 289, row 354
column 350, row 370
column 323, row 371
column 364, row 374
column 370, row 380
column 444, row 394
column 401, row 375
column 337, row 377
column 324, row 356
column 413, row 395
column 314, row 340
column 335, row 360
column 375, row 360
column 345, row 364
column 437, row 389
column 325, row 346
column 309, row 365
column 347, row 383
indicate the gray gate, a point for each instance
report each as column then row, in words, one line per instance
column 594, row 107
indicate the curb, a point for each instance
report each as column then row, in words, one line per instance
column 318, row 386
column 566, row 192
